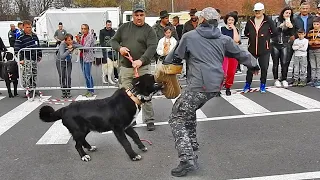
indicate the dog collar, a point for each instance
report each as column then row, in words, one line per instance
column 133, row 97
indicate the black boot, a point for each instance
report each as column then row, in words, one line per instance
column 68, row 94
column 228, row 92
column 64, row 94
column 184, row 167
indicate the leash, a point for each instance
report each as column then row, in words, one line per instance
column 129, row 57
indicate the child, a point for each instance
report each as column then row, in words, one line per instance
column 300, row 47
column 64, row 64
column 314, row 53
column 166, row 44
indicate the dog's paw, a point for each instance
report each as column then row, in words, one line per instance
column 93, row 148
column 137, row 158
column 144, row 149
column 86, row 158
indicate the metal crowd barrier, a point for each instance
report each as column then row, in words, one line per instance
column 36, row 74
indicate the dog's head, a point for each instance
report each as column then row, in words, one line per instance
column 8, row 56
column 145, row 86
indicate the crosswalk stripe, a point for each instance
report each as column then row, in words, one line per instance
column 2, row 97
column 200, row 114
column 11, row 118
column 296, row 98
column 58, row 133
column 244, row 104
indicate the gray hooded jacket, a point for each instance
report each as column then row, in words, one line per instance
column 63, row 52
column 204, row 49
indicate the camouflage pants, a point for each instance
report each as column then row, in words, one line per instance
column 183, row 121
column 29, row 74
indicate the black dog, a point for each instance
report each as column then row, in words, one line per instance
column 115, row 113
column 9, row 72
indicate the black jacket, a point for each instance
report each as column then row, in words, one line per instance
column 284, row 34
column 187, row 27
column 179, row 29
column 105, row 37
column 259, row 41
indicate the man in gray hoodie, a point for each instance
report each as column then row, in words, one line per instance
column 203, row 49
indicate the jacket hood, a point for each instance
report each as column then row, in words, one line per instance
column 208, row 31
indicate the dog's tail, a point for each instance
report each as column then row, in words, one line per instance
column 48, row 114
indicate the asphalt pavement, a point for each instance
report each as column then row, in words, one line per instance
column 257, row 136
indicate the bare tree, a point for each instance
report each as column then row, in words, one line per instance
column 40, row 5
column 5, row 10
column 23, row 7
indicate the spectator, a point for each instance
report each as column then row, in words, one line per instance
column 230, row 64
column 300, row 47
column 64, row 64
column 192, row 23
column 109, row 56
column 318, row 10
column 142, row 47
column 166, row 44
column 162, row 23
column 281, row 45
column 314, row 52
column 60, row 34
column 87, row 57
column 259, row 29
column 12, row 35
column 20, row 30
column 304, row 20
column 28, row 58
column 2, row 49
column 177, row 26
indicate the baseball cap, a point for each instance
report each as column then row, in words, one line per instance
column 258, row 7
column 138, row 7
column 209, row 13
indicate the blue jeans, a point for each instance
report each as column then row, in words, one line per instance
column 86, row 69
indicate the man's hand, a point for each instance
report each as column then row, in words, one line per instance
column 292, row 38
column 137, row 63
column 255, row 70
column 124, row 51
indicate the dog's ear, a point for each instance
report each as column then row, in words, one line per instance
column 8, row 56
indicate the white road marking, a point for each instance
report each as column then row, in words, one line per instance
column 58, row 133
column 297, row 176
column 244, row 104
column 11, row 118
column 2, row 97
column 296, row 98
column 243, row 116
column 200, row 114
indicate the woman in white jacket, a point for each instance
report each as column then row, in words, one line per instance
column 166, row 44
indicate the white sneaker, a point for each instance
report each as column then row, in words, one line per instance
column 277, row 84
column 285, row 84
